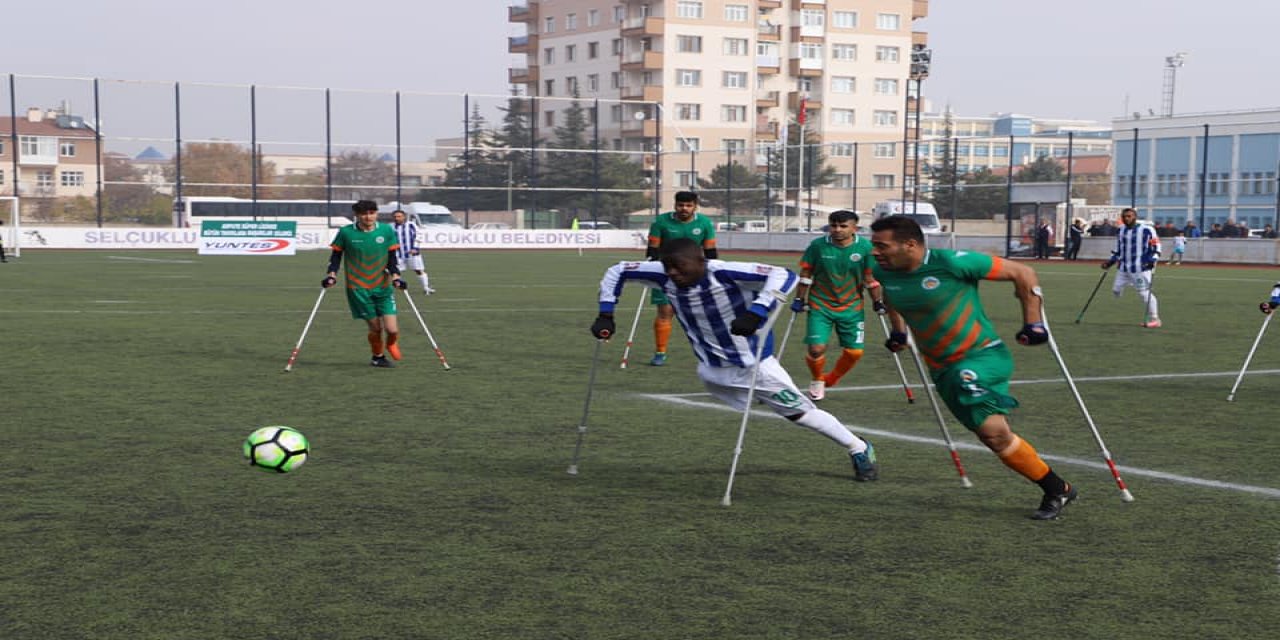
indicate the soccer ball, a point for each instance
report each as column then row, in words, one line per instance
column 279, row 449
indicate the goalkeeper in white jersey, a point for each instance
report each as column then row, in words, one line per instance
column 721, row 305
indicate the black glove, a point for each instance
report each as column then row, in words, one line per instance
column 798, row 305
column 1267, row 307
column 1148, row 265
column 400, row 284
column 745, row 324
column 603, row 328
column 1033, row 333
column 1107, row 265
column 328, row 281
column 879, row 307
column 897, row 341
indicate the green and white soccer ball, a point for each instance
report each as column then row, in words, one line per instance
column 276, row 448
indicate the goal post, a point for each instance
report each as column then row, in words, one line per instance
column 11, row 231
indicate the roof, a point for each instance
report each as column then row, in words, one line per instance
column 151, row 153
column 43, row 128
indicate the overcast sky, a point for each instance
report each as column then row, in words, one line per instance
column 1087, row 59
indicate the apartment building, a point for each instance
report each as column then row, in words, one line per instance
column 730, row 76
column 56, row 155
column 986, row 142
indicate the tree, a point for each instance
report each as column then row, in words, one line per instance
column 127, row 198
column 477, row 179
column 944, row 174
column 362, row 175
column 982, row 195
column 575, row 168
column 816, row 170
column 220, row 169
column 734, row 187
column 1043, row 169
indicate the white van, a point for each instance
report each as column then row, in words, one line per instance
column 923, row 213
column 424, row 214
column 755, row 226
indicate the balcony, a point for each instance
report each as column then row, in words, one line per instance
column 767, row 130
column 919, row 9
column 640, row 128
column 920, row 37
column 808, row 33
column 806, row 67
column 769, row 32
column 768, row 64
column 522, row 76
column 522, row 44
column 649, row 26
column 767, row 99
column 642, row 60
column 808, row 4
column 812, row 101
column 524, row 12
column 769, row 4
column 647, row 93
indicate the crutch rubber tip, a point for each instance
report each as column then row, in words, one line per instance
column 1126, row 496
column 573, row 470
column 1231, row 398
column 622, row 366
column 725, row 501
column 966, row 482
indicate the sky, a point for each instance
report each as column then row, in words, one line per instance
column 1087, row 59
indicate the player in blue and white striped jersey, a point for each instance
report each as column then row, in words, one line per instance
column 410, row 257
column 721, row 305
column 1137, row 250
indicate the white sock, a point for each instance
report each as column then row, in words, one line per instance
column 831, row 427
column 1153, row 307
column 423, row 278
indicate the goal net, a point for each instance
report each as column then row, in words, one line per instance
column 11, row 230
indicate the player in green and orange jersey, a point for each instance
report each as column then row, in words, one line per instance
column 684, row 222
column 371, row 272
column 935, row 293
column 833, row 272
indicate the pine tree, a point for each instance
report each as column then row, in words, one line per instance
column 744, row 195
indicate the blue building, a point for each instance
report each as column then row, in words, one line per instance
column 1206, row 168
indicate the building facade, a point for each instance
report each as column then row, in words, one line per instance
column 57, row 155
column 719, row 79
column 984, row 142
column 1206, row 168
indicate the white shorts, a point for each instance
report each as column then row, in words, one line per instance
column 412, row 262
column 1140, row 281
column 773, row 387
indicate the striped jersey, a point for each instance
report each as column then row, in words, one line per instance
column 365, row 253
column 940, row 302
column 407, row 235
column 839, row 273
column 707, row 308
column 1134, row 246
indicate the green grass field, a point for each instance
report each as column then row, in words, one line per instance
column 436, row 503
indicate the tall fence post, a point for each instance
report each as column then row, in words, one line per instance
column 399, row 172
column 97, row 148
column 1204, row 177
column 179, row 204
column 1008, row 211
column 253, row 147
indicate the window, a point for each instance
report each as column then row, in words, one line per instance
column 571, row 85
column 570, row 52
column 887, row 54
column 549, row 118
column 688, row 111
column 736, row 46
column 884, row 118
column 593, row 50
column 593, row 18
column 1, row 147
column 733, row 113
column 688, row 78
column 617, row 46
column 689, row 9
column 689, row 144
column 888, row 21
column 804, row 85
column 884, row 150
column 842, row 84
column 844, row 181
column 549, row 25
column 844, row 52
column 735, row 80
column 687, row 178
column 842, row 116
column 1, row 176
column 67, row 149
column 38, row 146
column 571, row 22
column 689, row 44
column 735, row 12
column 549, row 55
column 615, row 80
column 810, row 51
column 44, row 179
column 615, row 113
column 813, row 17
column 549, row 87
column 882, row 181
column 844, row 19
column 619, row 13
column 734, row 145
column 886, row 87
column 72, row 178
column 593, row 82
column 842, row 149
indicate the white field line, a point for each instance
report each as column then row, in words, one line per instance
column 1125, row 470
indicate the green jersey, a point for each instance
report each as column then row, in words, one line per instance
column 667, row 227
column 365, row 254
column 839, row 273
column 940, row 302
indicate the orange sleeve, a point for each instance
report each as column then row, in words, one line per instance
column 997, row 268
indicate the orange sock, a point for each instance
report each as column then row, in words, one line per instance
column 848, row 359
column 375, row 342
column 392, row 347
column 661, row 334
column 1022, row 457
column 816, row 365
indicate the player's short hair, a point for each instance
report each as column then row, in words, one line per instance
column 843, row 215
column 397, row 211
column 686, row 196
column 903, row 228
column 364, row 205
column 1127, row 210
column 680, row 248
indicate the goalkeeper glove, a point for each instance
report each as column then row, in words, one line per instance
column 1033, row 333
column 897, row 341
column 745, row 324
column 798, row 305
column 879, row 308
column 328, row 281
column 603, row 327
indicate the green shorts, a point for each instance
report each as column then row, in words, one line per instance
column 977, row 387
column 657, row 296
column 367, row 304
column 848, row 325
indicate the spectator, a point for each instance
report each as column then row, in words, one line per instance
column 1075, row 238
column 1044, row 240
column 1191, row 230
column 1268, row 232
column 1230, row 230
column 1215, row 231
column 1096, row 229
